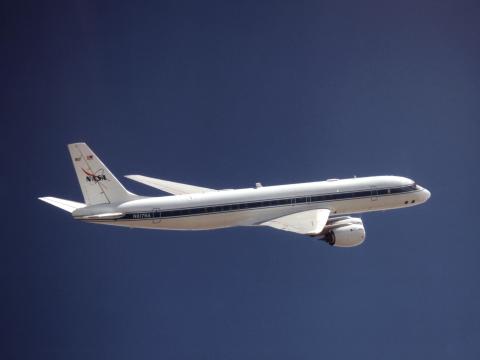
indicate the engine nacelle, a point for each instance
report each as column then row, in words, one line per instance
column 345, row 233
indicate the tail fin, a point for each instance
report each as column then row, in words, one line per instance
column 98, row 184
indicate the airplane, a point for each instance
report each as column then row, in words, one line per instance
column 321, row 210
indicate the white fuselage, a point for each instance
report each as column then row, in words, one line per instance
column 253, row 206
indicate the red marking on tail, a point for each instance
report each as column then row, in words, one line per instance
column 86, row 172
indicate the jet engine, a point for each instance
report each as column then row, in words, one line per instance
column 343, row 231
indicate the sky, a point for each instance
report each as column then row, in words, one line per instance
column 224, row 94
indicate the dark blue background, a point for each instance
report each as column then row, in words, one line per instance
column 224, row 94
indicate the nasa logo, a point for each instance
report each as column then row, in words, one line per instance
column 98, row 176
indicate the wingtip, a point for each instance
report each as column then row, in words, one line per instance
column 134, row 176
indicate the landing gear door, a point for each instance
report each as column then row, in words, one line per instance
column 374, row 193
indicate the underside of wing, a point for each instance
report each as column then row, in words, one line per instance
column 309, row 222
column 169, row 186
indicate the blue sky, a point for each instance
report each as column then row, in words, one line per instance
column 222, row 95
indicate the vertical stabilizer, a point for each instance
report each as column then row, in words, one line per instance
column 98, row 184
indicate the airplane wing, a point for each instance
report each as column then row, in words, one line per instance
column 309, row 222
column 169, row 186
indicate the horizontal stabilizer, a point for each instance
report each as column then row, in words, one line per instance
column 309, row 222
column 169, row 186
column 66, row 205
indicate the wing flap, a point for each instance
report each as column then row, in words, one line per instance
column 310, row 222
column 169, row 186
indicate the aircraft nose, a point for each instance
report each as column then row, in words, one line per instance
column 427, row 194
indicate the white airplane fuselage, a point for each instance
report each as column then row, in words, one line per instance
column 253, row 206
